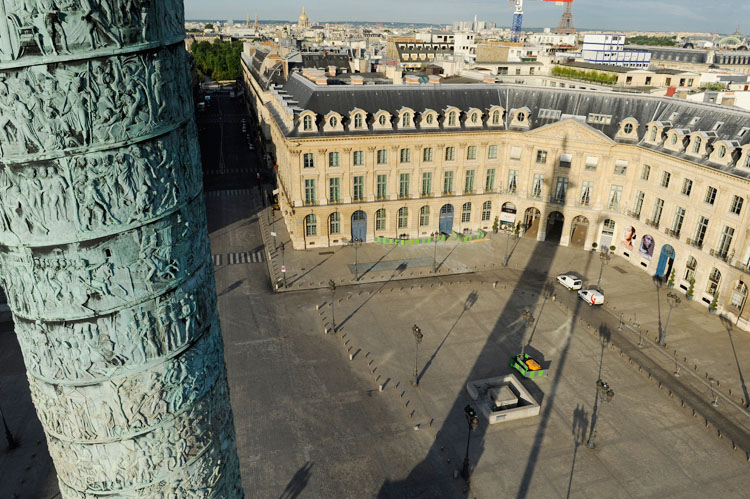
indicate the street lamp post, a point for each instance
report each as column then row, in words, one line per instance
column 435, row 236
column 12, row 444
column 417, row 332
column 332, row 287
column 528, row 319
column 473, row 421
column 603, row 389
column 283, row 264
column 605, row 257
column 673, row 301
column 356, row 242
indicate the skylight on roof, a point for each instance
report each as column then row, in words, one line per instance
column 673, row 116
column 694, row 120
column 549, row 114
column 717, row 126
column 743, row 131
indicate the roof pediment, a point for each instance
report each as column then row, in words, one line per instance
column 573, row 131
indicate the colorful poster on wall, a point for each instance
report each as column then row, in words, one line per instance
column 647, row 246
column 628, row 238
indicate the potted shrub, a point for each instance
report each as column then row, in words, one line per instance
column 691, row 289
column 612, row 248
column 670, row 283
column 714, row 303
column 518, row 228
column 594, row 246
column 495, row 226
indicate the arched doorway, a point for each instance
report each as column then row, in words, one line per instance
column 666, row 260
column 446, row 219
column 508, row 216
column 578, row 232
column 608, row 232
column 531, row 223
column 359, row 225
column 555, row 222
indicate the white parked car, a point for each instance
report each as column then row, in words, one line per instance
column 591, row 296
column 570, row 281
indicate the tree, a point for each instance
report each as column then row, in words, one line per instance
column 218, row 60
column 209, row 26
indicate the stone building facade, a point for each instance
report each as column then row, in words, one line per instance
column 104, row 250
column 581, row 168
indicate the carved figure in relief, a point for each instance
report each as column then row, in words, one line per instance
column 23, row 129
column 99, row 23
column 49, row 19
column 56, row 203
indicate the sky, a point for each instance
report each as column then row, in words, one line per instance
column 720, row 16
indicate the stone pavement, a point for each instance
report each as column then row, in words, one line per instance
column 696, row 340
column 647, row 445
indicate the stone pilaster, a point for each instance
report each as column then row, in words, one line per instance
column 104, row 250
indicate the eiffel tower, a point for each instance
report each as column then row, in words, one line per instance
column 566, row 22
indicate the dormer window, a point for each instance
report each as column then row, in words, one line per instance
column 628, row 128
column 358, row 120
column 654, row 131
column 307, row 123
column 452, row 118
column 674, row 139
column 747, row 160
column 474, row 117
column 722, row 151
column 429, row 119
column 382, row 120
column 406, row 120
column 696, row 145
column 520, row 117
column 495, row 117
column 333, row 122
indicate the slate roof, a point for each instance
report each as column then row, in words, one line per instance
column 573, row 103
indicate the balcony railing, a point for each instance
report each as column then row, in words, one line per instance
column 652, row 223
column 721, row 255
column 310, row 203
column 673, row 233
column 694, row 243
column 425, row 195
column 403, row 196
column 743, row 266
column 635, row 215
column 381, row 197
column 447, row 193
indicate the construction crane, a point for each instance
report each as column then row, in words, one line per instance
column 518, row 17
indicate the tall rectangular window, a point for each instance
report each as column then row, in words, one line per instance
column 333, row 159
column 334, row 190
column 536, row 186
column 469, row 182
column 621, row 167
column 335, row 223
column 736, row 207
column 615, row 196
column 308, row 160
column 658, row 208
column 359, row 158
column 427, row 154
column 587, row 192
column 492, row 152
column 710, row 195
column 638, row 203
column 645, row 172
column 426, row 183
column 679, row 218
column 489, row 181
column 665, row 178
column 486, row 211
column 687, row 186
column 592, row 162
column 403, row 217
column 406, row 155
column 382, row 157
column 700, row 231
column 561, row 190
column 380, row 219
column 358, row 184
column 448, row 183
column 403, row 185
column 424, row 216
column 471, row 152
column 512, row 181
column 727, row 233
column 450, row 153
column 310, row 191
column 382, row 186
column 541, row 157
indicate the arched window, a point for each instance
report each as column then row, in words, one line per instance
column 520, row 117
column 495, row 117
column 403, row 217
column 429, row 119
column 697, row 145
column 358, row 120
column 406, row 120
column 486, row 211
column 674, row 139
column 452, row 118
column 747, row 159
column 628, row 128
column 653, row 133
column 466, row 213
column 722, row 151
column 382, row 120
column 424, row 216
column 311, row 225
column 474, row 117
column 335, row 223
column 307, row 122
column 690, row 269
column 380, row 219
column 713, row 281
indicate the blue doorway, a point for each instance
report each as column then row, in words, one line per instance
column 446, row 219
column 359, row 225
column 666, row 260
